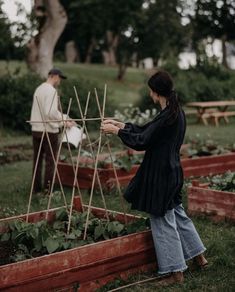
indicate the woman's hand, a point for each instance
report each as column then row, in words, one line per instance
column 120, row 125
column 109, row 128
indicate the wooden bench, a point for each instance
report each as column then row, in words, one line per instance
column 190, row 112
column 216, row 116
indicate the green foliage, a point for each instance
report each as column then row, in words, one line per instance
column 16, row 94
column 83, row 86
column 134, row 115
column 15, row 153
column 35, row 239
column 124, row 162
column 6, row 42
column 206, row 82
column 160, row 31
column 223, row 182
column 215, row 19
column 206, row 147
column 16, row 99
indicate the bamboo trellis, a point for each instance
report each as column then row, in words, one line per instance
column 83, row 119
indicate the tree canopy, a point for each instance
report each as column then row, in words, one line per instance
column 123, row 32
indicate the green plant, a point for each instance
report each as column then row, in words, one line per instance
column 205, row 147
column 207, row 81
column 223, row 182
column 134, row 115
column 35, row 239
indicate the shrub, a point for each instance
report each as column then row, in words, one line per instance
column 208, row 81
column 16, row 93
column 16, row 100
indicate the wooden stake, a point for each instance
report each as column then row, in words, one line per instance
column 77, row 164
column 110, row 153
column 94, row 177
column 36, row 165
column 139, row 282
column 57, row 160
column 53, row 157
column 34, row 175
column 93, row 155
column 72, row 162
column 69, row 120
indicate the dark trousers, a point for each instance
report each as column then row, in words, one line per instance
column 44, row 153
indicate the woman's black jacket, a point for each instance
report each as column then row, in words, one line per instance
column 158, row 182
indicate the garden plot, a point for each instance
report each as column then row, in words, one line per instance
column 207, row 157
column 81, row 251
column 197, row 159
column 15, row 153
column 88, row 264
column 215, row 198
column 126, row 163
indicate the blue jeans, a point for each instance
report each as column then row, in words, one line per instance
column 175, row 240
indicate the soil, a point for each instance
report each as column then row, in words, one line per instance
column 13, row 153
column 7, row 250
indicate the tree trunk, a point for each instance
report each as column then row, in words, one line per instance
column 52, row 19
column 71, row 53
column 112, row 43
column 122, row 71
column 224, row 51
column 90, row 51
column 106, row 58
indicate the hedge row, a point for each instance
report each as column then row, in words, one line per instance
column 209, row 81
column 16, row 94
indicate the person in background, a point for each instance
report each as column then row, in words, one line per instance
column 45, row 108
column 156, row 187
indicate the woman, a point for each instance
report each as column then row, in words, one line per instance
column 157, row 184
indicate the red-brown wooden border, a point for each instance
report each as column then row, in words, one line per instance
column 219, row 205
column 90, row 266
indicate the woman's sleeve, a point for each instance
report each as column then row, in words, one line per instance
column 134, row 128
column 141, row 140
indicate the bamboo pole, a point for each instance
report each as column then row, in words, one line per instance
column 157, row 278
column 94, row 176
column 110, row 153
column 36, row 165
column 57, row 160
column 93, row 155
column 34, row 175
column 53, row 157
column 77, row 164
column 71, row 157
column 70, row 120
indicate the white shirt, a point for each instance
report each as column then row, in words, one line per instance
column 45, row 108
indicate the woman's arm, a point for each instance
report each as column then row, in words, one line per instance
column 135, row 128
column 128, row 126
column 138, row 141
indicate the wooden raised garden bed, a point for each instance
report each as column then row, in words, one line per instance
column 214, row 164
column 219, row 205
column 106, row 172
column 198, row 166
column 84, row 268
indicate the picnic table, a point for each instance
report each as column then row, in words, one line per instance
column 214, row 110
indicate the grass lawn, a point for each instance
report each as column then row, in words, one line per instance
column 15, row 179
column 224, row 134
column 125, row 92
column 218, row 238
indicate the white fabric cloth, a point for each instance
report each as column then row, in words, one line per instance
column 73, row 136
column 46, row 96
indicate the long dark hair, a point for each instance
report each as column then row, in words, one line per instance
column 162, row 84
